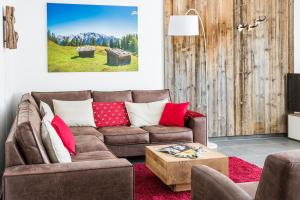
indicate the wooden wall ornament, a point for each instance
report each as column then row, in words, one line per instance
column 246, row 71
column 10, row 35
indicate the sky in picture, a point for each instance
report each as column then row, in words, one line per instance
column 67, row 19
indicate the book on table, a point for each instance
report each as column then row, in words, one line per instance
column 182, row 151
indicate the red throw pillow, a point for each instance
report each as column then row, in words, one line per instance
column 173, row 114
column 192, row 114
column 65, row 134
column 110, row 114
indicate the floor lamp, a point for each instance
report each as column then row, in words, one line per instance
column 188, row 25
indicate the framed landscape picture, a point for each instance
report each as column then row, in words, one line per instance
column 92, row 38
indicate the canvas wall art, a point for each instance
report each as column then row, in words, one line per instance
column 92, row 38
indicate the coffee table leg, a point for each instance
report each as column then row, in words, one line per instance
column 180, row 187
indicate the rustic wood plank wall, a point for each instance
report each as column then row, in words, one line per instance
column 246, row 71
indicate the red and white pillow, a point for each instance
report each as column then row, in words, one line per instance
column 110, row 114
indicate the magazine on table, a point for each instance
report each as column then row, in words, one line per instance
column 183, row 151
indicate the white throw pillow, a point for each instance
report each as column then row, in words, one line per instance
column 46, row 111
column 75, row 113
column 145, row 114
column 56, row 150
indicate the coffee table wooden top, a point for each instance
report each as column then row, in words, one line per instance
column 209, row 154
column 176, row 172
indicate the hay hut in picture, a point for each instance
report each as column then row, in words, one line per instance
column 117, row 57
column 86, row 52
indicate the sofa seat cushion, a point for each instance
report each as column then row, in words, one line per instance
column 88, row 143
column 124, row 135
column 87, row 130
column 163, row 134
column 93, row 155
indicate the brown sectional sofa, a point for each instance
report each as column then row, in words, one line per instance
column 98, row 171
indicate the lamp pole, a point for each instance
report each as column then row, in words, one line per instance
column 209, row 145
column 188, row 25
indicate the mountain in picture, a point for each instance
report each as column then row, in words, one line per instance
column 92, row 38
column 128, row 42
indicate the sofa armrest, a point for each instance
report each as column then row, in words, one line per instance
column 198, row 125
column 100, row 179
column 210, row 184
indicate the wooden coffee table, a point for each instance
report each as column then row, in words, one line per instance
column 176, row 172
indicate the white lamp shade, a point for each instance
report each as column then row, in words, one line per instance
column 183, row 25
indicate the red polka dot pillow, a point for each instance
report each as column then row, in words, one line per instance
column 110, row 114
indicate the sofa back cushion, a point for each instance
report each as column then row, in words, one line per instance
column 146, row 96
column 116, row 96
column 47, row 97
column 29, row 98
column 28, row 134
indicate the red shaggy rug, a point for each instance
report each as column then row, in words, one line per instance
column 149, row 187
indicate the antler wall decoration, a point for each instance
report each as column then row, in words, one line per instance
column 10, row 35
column 250, row 27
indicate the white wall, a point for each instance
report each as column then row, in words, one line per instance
column 28, row 64
column 5, row 93
column 25, row 69
column 297, row 36
column 2, row 92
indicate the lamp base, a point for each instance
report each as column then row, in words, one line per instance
column 211, row 145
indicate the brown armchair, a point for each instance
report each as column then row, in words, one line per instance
column 280, row 180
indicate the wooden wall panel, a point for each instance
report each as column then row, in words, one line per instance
column 246, row 71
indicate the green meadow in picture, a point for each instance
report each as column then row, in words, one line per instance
column 92, row 38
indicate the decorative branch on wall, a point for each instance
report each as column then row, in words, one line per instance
column 10, row 35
